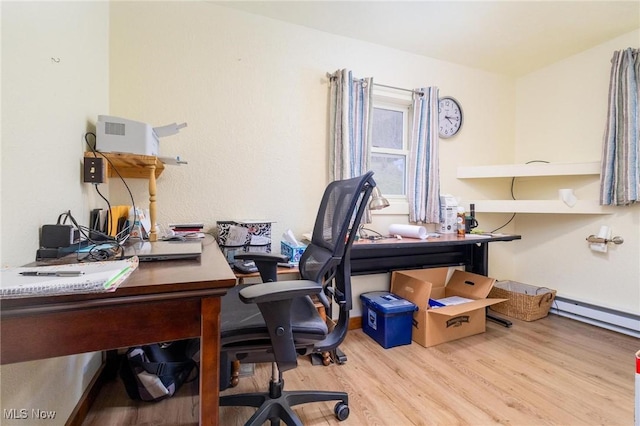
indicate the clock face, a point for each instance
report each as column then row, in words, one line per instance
column 449, row 117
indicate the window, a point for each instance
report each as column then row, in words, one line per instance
column 390, row 145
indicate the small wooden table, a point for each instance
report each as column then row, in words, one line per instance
column 136, row 166
column 160, row 301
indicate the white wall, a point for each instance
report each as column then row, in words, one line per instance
column 54, row 83
column 561, row 116
column 254, row 93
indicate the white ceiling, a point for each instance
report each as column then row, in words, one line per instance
column 511, row 37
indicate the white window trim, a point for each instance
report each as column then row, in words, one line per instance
column 399, row 204
column 396, row 207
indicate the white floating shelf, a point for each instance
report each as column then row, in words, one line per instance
column 531, row 169
column 540, row 206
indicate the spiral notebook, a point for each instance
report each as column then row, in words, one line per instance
column 94, row 277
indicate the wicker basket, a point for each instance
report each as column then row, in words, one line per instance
column 525, row 302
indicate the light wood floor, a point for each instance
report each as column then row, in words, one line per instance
column 554, row 371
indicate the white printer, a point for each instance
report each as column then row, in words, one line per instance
column 115, row 134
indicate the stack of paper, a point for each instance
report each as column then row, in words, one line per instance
column 187, row 230
column 448, row 301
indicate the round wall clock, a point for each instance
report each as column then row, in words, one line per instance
column 449, row 116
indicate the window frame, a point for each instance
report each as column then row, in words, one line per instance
column 402, row 102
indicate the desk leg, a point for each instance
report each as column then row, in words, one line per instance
column 480, row 265
column 501, row 321
column 210, row 361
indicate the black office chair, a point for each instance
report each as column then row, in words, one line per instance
column 277, row 321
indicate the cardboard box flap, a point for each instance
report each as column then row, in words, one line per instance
column 464, row 307
column 436, row 276
column 438, row 293
column 411, row 289
column 471, row 286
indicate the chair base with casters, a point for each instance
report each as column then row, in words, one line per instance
column 275, row 405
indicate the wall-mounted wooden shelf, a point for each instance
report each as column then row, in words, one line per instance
column 137, row 167
column 131, row 165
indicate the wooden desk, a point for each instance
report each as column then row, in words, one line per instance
column 282, row 270
column 390, row 254
column 160, row 301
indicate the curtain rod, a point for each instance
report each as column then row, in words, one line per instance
column 418, row 92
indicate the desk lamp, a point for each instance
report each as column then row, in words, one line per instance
column 378, row 202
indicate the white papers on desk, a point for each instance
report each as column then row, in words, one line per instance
column 259, row 240
column 97, row 277
column 238, row 236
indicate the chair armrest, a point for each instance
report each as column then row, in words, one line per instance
column 279, row 290
column 262, row 257
column 267, row 263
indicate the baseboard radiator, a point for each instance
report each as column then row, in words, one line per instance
column 611, row 319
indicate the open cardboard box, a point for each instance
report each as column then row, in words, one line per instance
column 434, row 326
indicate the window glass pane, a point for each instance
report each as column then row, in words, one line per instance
column 386, row 128
column 389, row 172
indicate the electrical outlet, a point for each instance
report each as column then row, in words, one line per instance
column 94, row 171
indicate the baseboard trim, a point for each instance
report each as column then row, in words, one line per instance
column 355, row 323
column 621, row 322
column 81, row 410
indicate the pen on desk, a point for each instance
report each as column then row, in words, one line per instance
column 51, row 273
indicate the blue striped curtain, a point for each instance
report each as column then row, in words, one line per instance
column 350, row 110
column 350, row 124
column 620, row 174
column 424, row 172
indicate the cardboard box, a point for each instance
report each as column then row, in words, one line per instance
column 432, row 326
column 294, row 253
column 387, row 318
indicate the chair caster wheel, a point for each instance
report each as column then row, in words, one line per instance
column 341, row 411
column 326, row 358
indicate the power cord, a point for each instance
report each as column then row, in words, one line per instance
column 101, row 250
column 513, row 180
column 133, row 203
column 363, row 235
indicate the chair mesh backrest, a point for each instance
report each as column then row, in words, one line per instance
column 343, row 203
